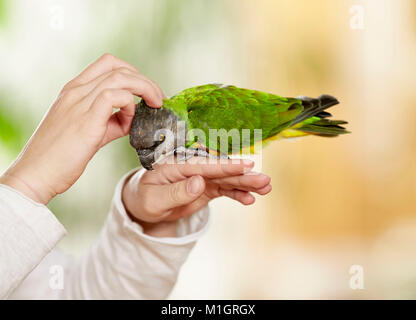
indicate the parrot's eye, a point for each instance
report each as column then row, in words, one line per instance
column 161, row 137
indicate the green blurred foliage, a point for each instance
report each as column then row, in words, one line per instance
column 2, row 12
column 13, row 127
column 9, row 132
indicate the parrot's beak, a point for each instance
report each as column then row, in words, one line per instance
column 147, row 158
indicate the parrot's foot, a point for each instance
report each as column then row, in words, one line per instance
column 184, row 154
column 222, row 156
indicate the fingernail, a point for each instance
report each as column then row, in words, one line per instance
column 194, row 185
column 248, row 162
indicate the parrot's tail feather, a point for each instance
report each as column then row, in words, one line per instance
column 316, row 126
column 324, row 127
column 313, row 119
column 315, row 107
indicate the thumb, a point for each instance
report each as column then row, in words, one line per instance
column 180, row 193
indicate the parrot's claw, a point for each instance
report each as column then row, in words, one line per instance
column 223, row 156
column 184, row 154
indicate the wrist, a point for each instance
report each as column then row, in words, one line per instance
column 152, row 228
column 159, row 229
column 22, row 185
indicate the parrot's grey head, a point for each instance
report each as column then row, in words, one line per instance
column 153, row 133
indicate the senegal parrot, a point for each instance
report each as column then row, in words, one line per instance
column 224, row 109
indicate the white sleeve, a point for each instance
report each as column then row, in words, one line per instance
column 28, row 232
column 124, row 263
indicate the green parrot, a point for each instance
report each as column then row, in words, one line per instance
column 207, row 114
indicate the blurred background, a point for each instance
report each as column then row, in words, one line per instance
column 336, row 203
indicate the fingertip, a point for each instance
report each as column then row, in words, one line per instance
column 264, row 180
column 154, row 106
column 196, row 185
column 154, row 103
column 249, row 199
column 159, row 101
column 257, row 180
column 238, row 166
column 248, row 163
column 247, row 166
column 153, row 99
column 267, row 179
column 244, row 162
column 265, row 190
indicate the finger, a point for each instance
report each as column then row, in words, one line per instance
column 84, row 89
column 135, row 85
column 102, row 111
column 118, row 126
column 261, row 191
column 248, row 182
column 264, row 190
column 176, row 194
column 162, row 94
column 206, row 169
column 105, row 63
column 243, row 197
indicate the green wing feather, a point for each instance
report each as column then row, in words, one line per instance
column 215, row 106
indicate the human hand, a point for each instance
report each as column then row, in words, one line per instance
column 77, row 125
column 173, row 191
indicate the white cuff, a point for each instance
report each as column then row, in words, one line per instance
column 28, row 232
